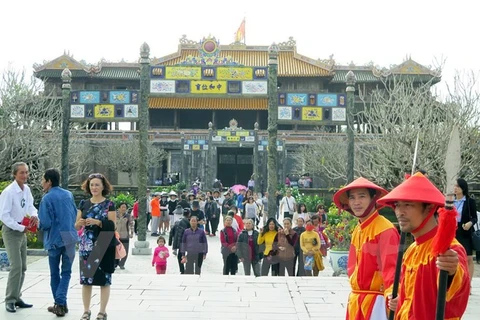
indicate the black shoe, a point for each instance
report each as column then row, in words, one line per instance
column 52, row 309
column 10, row 307
column 22, row 304
column 59, row 310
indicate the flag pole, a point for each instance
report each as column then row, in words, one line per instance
column 244, row 30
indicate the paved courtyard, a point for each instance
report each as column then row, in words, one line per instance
column 137, row 292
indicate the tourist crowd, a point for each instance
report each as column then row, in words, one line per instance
column 293, row 242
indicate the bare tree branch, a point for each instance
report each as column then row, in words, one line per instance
column 122, row 156
column 393, row 115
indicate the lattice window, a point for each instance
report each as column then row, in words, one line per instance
column 227, row 159
column 244, row 159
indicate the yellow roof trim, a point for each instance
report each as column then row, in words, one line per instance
column 208, row 103
column 290, row 63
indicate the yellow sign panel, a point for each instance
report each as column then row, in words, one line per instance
column 234, row 73
column 181, row 73
column 233, row 138
column 241, row 133
column 196, row 147
column 104, row 111
column 311, row 114
column 208, row 87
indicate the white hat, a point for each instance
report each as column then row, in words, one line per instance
column 172, row 193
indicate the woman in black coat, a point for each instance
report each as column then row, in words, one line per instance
column 248, row 250
column 467, row 208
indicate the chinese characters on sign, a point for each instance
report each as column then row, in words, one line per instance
column 234, row 136
column 203, row 87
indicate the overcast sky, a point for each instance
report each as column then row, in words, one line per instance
column 384, row 32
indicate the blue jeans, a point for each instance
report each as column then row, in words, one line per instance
column 60, row 276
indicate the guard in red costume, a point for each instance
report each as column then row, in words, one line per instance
column 373, row 251
column 415, row 201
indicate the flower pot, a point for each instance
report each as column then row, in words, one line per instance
column 339, row 261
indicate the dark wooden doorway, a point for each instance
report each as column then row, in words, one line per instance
column 235, row 165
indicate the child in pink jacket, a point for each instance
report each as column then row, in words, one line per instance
column 160, row 256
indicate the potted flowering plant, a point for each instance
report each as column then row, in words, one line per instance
column 339, row 229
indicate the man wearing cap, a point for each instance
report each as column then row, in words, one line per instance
column 415, row 202
column 373, row 251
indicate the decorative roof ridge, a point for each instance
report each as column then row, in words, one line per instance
column 66, row 55
column 121, row 64
column 354, row 68
column 327, row 64
column 410, row 66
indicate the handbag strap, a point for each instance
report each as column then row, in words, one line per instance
column 288, row 205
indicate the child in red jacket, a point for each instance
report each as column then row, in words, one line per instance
column 160, row 256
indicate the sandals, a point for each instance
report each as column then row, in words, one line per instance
column 86, row 315
column 101, row 316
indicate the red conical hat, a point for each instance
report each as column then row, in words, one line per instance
column 341, row 199
column 416, row 188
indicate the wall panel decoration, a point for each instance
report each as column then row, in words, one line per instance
column 339, row 114
column 234, row 73
column 284, row 113
column 311, row 114
column 327, row 100
column 183, row 73
column 254, row 87
column 104, row 111
column 77, row 111
column 162, row 86
column 297, row 99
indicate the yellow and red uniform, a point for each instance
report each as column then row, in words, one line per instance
column 419, row 282
column 371, row 267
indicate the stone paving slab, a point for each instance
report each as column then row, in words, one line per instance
column 185, row 297
column 138, row 293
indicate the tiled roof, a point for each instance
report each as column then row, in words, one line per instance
column 361, row 75
column 104, row 73
column 56, row 73
column 289, row 62
column 208, row 103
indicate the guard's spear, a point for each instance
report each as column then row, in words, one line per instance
column 447, row 221
column 401, row 247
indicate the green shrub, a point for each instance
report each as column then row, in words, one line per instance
column 311, row 201
column 3, row 185
column 123, row 198
column 176, row 187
